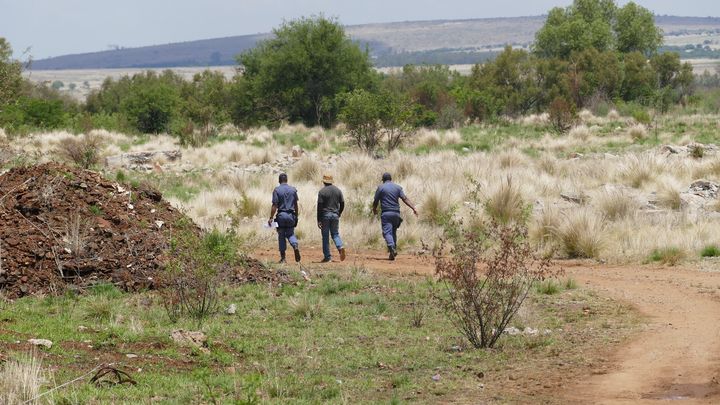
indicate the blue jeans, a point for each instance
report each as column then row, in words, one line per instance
column 390, row 222
column 289, row 235
column 330, row 226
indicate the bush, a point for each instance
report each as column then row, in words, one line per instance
column 562, row 115
column 21, row 379
column 669, row 255
column 190, row 281
column 487, row 277
column 710, row 251
column 84, row 151
column 487, row 274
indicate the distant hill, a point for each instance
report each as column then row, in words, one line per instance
column 391, row 44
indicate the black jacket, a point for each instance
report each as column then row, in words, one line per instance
column 330, row 199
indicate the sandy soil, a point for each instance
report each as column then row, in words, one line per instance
column 675, row 357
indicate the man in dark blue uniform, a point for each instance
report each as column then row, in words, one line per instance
column 285, row 204
column 388, row 195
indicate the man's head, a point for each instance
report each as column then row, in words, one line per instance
column 282, row 178
column 386, row 177
column 327, row 179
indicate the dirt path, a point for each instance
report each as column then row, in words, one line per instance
column 676, row 357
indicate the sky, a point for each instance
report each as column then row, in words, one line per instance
column 58, row 27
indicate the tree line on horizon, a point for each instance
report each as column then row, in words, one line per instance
column 591, row 54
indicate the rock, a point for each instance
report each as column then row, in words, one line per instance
column 671, row 149
column 512, row 331
column 141, row 159
column 704, row 188
column 131, row 356
column 436, row 377
column 189, row 338
column 530, row 331
column 159, row 224
column 575, row 198
column 41, row 342
column 231, row 309
column 297, row 151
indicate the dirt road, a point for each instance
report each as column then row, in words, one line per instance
column 676, row 356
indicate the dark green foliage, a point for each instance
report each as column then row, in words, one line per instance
column 150, row 105
column 297, row 74
column 10, row 75
column 34, row 113
column 710, row 251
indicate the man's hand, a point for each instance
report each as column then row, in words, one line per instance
column 415, row 212
column 270, row 221
column 319, row 224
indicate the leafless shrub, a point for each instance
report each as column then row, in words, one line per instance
column 487, row 275
column 83, row 151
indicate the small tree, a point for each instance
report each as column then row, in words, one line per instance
column 488, row 274
column 372, row 118
column 562, row 114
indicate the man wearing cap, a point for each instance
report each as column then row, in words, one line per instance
column 330, row 207
column 285, row 204
column 388, row 195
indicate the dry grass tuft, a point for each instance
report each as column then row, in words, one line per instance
column 617, row 204
column 637, row 171
column 306, row 169
column 669, row 197
column 637, row 132
column 581, row 234
column 506, row 203
column 580, row 132
column 613, row 115
column 21, row 379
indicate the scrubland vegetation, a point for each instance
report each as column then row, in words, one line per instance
column 598, row 148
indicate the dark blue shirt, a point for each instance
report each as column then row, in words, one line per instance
column 284, row 197
column 388, row 194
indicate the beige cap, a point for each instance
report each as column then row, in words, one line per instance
column 327, row 178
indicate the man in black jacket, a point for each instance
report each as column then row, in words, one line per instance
column 330, row 207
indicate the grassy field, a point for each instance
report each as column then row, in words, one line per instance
column 347, row 336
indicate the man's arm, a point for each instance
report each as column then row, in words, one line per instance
column 376, row 201
column 342, row 204
column 320, row 206
column 409, row 203
column 273, row 210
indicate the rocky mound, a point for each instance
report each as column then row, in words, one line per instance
column 63, row 226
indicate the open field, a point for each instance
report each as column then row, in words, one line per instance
column 629, row 211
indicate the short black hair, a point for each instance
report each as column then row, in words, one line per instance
column 282, row 178
column 386, row 176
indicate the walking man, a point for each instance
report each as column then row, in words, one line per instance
column 388, row 195
column 285, row 204
column 330, row 207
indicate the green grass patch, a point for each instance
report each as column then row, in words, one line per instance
column 710, row 251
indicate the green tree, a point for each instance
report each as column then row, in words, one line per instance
column 10, row 75
column 374, row 118
column 304, row 66
column 636, row 30
column 207, row 99
column 151, row 106
column 639, row 82
column 597, row 24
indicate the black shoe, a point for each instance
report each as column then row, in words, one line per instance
column 297, row 255
column 393, row 253
column 282, row 260
column 326, row 260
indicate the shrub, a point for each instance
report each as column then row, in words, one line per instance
column 669, row 197
column 83, row 151
column 697, row 151
column 436, row 209
column 189, row 283
column 487, row 276
column 562, row 115
column 669, row 255
column 450, row 117
column 710, row 251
